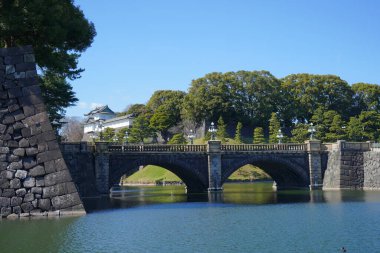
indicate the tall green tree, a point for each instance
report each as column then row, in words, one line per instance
column 366, row 97
column 238, row 136
column 121, row 135
column 59, row 33
column 300, row 133
column 258, row 135
column 140, row 129
column 222, row 131
column 355, row 129
column 309, row 92
column 178, row 139
column 337, row 130
column 108, row 134
column 165, row 109
column 274, row 126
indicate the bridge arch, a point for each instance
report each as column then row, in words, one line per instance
column 189, row 169
column 286, row 172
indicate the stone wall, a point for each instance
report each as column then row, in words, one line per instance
column 371, row 161
column 34, row 179
column 345, row 170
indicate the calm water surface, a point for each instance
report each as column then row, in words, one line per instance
column 245, row 218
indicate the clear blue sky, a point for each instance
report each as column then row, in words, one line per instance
column 143, row 46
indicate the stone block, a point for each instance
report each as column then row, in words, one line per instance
column 27, row 207
column 29, row 197
column 12, row 144
column 16, row 201
column 24, row 143
column 21, row 192
column 4, row 150
column 31, row 74
column 4, row 202
column 53, row 145
column 55, row 190
column 44, row 204
column 40, row 181
column 14, row 92
column 31, row 151
column 14, row 59
column 25, row 66
column 15, row 183
column 8, row 193
column 25, row 132
column 13, row 108
column 8, row 120
column 15, row 165
column 31, row 90
column 4, row 183
column 48, row 156
column 6, row 174
column 19, row 151
column 60, row 164
column 6, row 137
column 37, row 171
column 5, row 211
column 66, row 201
column 28, row 110
column 29, row 162
column 13, row 158
column 36, row 190
column 57, row 177
column 3, row 165
column 18, row 125
column 49, row 167
column 29, row 182
column 9, row 69
column 16, row 210
column 2, row 128
column 29, row 58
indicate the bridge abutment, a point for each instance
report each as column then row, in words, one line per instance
column 315, row 163
column 214, row 166
column 102, row 168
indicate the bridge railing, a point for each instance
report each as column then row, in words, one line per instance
column 157, row 148
column 375, row 146
column 265, row 147
column 356, row 146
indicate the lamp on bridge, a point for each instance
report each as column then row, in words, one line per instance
column 280, row 136
column 126, row 136
column 191, row 136
column 212, row 129
column 312, row 130
column 100, row 127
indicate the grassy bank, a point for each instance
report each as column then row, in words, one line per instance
column 154, row 175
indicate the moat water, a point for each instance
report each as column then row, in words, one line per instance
column 245, row 218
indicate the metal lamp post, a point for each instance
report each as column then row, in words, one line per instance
column 312, row 130
column 212, row 129
column 280, row 136
column 114, row 138
column 126, row 137
column 191, row 136
column 100, row 126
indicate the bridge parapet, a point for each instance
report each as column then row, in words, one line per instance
column 157, row 148
column 265, row 147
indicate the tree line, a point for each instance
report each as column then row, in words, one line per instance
column 252, row 106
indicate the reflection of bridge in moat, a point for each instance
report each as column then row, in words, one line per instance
column 206, row 167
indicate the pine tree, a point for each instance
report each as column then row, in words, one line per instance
column 258, row 135
column 222, row 131
column 336, row 132
column 239, row 126
column 274, row 126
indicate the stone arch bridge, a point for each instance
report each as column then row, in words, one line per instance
column 97, row 168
